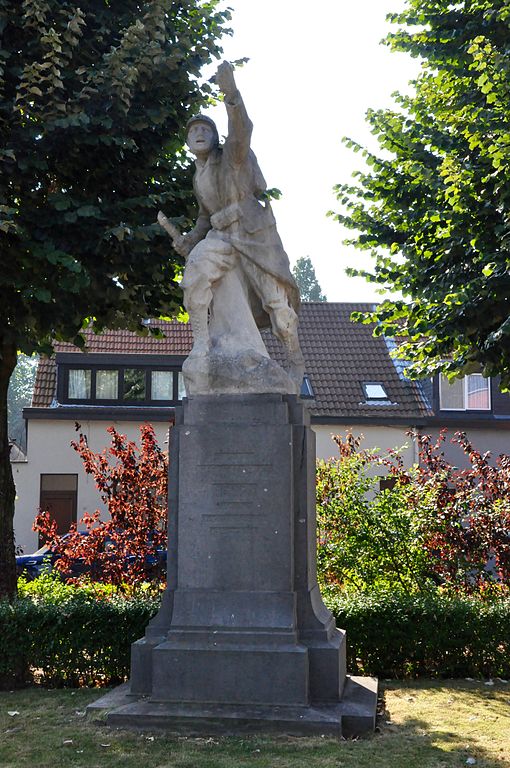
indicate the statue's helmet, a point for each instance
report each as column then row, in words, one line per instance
column 208, row 121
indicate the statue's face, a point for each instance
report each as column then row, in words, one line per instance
column 200, row 138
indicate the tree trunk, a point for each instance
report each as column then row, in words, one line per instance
column 8, row 359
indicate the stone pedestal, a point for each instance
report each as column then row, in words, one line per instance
column 243, row 640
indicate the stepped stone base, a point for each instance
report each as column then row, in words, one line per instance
column 352, row 716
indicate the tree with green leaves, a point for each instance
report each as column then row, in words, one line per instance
column 94, row 98
column 21, row 387
column 433, row 206
column 306, row 279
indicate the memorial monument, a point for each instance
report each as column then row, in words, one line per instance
column 243, row 640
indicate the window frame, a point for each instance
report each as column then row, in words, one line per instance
column 92, row 383
column 369, row 398
column 464, row 382
column 65, row 366
column 93, row 388
column 122, row 385
column 306, row 391
column 175, row 383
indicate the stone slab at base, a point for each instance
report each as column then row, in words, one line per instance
column 354, row 715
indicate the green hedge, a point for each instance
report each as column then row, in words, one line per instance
column 80, row 639
column 396, row 635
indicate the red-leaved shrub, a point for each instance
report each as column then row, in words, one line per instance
column 126, row 548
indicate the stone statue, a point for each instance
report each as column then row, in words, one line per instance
column 237, row 277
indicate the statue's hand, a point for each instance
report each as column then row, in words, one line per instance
column 225, row 79
column 178, row 241
column 227, row 216
column 180, row 245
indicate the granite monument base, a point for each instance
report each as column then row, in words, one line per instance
column 243, row 641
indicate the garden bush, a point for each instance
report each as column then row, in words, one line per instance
column 62, row 635
column 133, row 485
column 435, row 525
column 367, row 539
column 393, row 634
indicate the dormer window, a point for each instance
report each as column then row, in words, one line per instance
column 374, row 390
column 472, row 393
column 104, row 384
column 134, row 384
column 79, row 384
column 107, row 385
column 162, row 383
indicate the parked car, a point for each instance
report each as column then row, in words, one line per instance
column 44, row 559
column 38, row 562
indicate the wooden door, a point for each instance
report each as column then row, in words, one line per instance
column 62, row 507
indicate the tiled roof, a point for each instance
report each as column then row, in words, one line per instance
column 178, row 341
column 339, row 356
column 45, row 383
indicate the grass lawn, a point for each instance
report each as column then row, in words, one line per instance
column 425, row 724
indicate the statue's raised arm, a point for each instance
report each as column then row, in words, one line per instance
column 237, row 277
column 240, row 127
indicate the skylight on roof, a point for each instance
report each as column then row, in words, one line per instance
column 374, row 391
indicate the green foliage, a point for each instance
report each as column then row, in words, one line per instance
column 391, row 634
column 368, row 539
column 93, row 102
column 306, row 279
column 434, row 526
column 19, row 396
column 433, row 206
column 69, row 635
column 50, row 588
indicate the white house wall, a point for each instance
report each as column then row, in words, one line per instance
column 482, row 439
column 49, row 452
column 384, row 438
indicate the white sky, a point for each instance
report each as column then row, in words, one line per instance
column 314, row 70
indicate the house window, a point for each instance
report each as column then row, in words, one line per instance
column 107, row 385
column 80, row 382
column 472, row 393
column 374, row 390
column 451, row 394
column 181, row 389
column 477, row 393
column 134, row 384
column 387, row 482
column 162, row 385
column 115, row 385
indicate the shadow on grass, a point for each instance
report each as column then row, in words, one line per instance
column 456, row 722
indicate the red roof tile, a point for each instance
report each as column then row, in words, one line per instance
column 178, row 341
column 45, row 383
